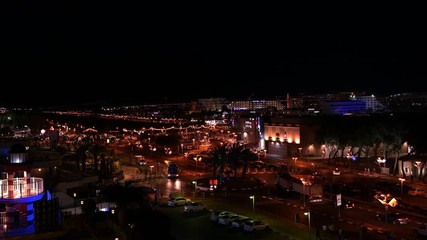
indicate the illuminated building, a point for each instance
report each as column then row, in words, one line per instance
column 20, row 193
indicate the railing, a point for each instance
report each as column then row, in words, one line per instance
column 21, row 188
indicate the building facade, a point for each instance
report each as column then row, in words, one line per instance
column 19, row 190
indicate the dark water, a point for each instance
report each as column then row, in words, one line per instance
column 44, row 120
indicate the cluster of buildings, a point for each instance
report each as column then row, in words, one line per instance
column 348, row 103
column 285, row 127
column 305, row 104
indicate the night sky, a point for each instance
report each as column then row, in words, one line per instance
column 124, row 53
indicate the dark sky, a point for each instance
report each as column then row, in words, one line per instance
column 125, row 53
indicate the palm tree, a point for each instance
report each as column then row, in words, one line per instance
column 247, row 156
column 96, row 149
column 103, row 169
column 393, row 140
column 331, row 143
column 81, row 156
column 219, row 160
column 234, row 156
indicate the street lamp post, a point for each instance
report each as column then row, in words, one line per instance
column 309, row 224
column 75, row 205
column 197, row 159
column 401, row 185
column 151, row 153
column 303, row 190
column 195, row 186
column 253, row 205
column 81, row 205
column 295, row 160
column 151, row 171
column 112, row 218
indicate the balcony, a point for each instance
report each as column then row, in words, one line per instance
column 22, row 190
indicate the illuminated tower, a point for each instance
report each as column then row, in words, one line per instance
column 18, row 192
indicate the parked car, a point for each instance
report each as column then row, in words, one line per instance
column 204, row 187
column 227, row 220
column 238, row 223
column 216, row 214
column 392, row 217
column 255, row 225
column 178, row 201
column 195, row 207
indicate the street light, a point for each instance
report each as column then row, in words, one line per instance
column 401, row 185
column 151, row 153
column 195, row 185
column 253, row 205
column 309, row 224
column 75, row 205
column 151, row 173
column 81, row 205
column 295, row 160
column 303, row 190
column 197, row 159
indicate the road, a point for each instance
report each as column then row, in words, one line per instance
column 281, row 210
column 287, row 208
